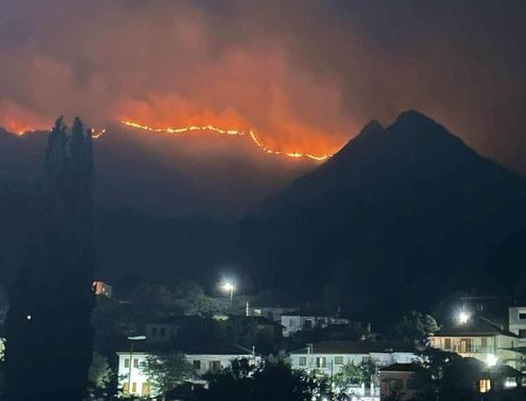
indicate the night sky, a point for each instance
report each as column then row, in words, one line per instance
column 305, row 75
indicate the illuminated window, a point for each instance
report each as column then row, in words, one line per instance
column 145, row 389
column 303, row 361
column 125, row 388
column 338, row 360
column 135, row 362
column 447, row 343
column 127, row 362
column 466, row 345
column 134, row 387
column 485, row 385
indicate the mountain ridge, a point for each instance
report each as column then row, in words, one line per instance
column 392, row 199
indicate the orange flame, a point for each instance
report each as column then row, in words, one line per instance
column 251, row 135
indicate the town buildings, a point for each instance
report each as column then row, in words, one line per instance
column 329, row 358
column 482, row 339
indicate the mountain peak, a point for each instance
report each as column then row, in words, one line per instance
column 414, row 117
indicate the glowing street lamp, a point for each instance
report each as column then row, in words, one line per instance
column 229, row 288
column 463, row 317
column 491, row 360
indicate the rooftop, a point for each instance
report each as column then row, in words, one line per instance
column 402, row 367
column 476, row 326
column 357, row 347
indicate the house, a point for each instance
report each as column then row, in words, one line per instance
column 403, row 380
column 481, row 339
column 270, row 312
column 517, row 321
column 206, row 358
column 329, row 357
column 305, row 320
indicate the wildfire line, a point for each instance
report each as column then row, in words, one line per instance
column 251, row 135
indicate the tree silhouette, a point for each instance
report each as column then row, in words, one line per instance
column 49, row 334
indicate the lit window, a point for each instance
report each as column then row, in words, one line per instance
column 145, row 389
column 303, row 361
column 447, row 343
column 125, row 388
column 134, row 387
column 485, row 385
column 338, row 360
column 321, row 362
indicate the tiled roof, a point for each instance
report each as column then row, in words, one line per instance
column 476, row 326
column 357, row 347
column 402, row 367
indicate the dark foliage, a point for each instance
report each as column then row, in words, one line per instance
column 49, row 332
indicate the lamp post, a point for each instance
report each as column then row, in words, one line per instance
column 229, row 288
column 132, row 339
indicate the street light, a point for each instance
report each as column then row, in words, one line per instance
column 491, row 360
column 229, row 287
column 463, row 317
column 132, row 339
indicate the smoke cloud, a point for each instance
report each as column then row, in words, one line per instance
column 304, row 74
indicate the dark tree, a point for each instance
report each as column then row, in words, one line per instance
column 49, row 334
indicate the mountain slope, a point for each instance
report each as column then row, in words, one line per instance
column 395, row 212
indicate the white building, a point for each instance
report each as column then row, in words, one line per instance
column 206, row 359
column 329, row 357
column 293, row 322
column 270, row 312
column 517, row 320
column 480, row 339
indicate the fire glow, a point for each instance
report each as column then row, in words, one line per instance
column 251, row 135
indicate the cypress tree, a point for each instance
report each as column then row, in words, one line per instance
column 49, row 333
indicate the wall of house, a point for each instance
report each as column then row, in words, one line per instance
column 401, row 383
column 213, row 363
column 137, row 381
column 294, row 324
column 517, row 320
column 332, row 363
column 481, row 347
column 466, row 345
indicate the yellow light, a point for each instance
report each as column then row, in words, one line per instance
column 251, row 134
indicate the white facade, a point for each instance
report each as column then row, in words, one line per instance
column 211, row 363
column 330, row 363
column 272, row 313
column 517, row 321
column 134, row 382
column 131, row 379
column 481, row 347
